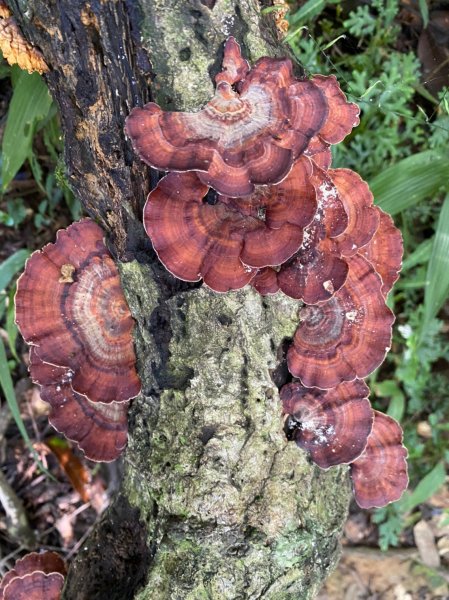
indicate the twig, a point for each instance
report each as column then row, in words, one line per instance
column 18, row 526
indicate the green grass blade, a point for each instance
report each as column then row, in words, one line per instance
column 419, row 256
column 11, row 327
column 8, row 390
column 424, row 9
column 308, row 11
column 411, row 180
column 29, row 104
column 437, row 280
column 428, row 486
column 11, row 266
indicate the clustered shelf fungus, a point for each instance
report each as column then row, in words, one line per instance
column 251, row 198
column 34, row 577
column 71, row 309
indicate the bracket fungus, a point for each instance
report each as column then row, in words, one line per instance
column 345, row 221
column 332, row 425
column 345, row 337
column 225, row 240
column 71, row 309
column 379, row 475
column 251, row 199
column 84, row 325
column 34, row 577
column 250, row 133
column 100, row 430
column 384, row 251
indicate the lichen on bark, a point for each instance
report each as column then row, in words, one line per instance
column 240, row 513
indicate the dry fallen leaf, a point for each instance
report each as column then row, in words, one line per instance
column 74, row 469
column 425, row 542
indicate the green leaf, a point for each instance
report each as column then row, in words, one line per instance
column 419, row 256
column 411, row 180
column 428, row 486
column 270, row 9
column 30, row 103
column 424, row 12
column 11, row 327
column 390, row 389
column 437, row 280
column 308, row 11
column 8, row 390
column 11, row 266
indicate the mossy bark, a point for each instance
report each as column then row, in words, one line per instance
column 214, row 502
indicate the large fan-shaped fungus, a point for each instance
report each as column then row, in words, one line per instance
column 69, row 304
column 251, row 132
column 332, row 425
column 379, row 475
column 345, row 337
column 34, row 577
column 384, row 251
column 221, row 239
column 100, row 430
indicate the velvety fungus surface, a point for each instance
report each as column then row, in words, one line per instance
column 345, row 337
column 332, row 425
column 379, row 475
column 70, row 305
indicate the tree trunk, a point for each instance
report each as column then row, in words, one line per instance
column 214, row 502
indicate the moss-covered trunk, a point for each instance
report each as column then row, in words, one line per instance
column 214, row 503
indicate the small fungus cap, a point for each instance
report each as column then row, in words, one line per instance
column 317, row 270
column 363, row 216
column 332, row 425
column 379, row 475
column 249, row 133
column 70, row 305
column 342, row 115
column 35, row 586
column 385, row 250
column 345, row 337
column 100, row 430
column 38, row 576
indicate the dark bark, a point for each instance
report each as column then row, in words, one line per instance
column 214, row 503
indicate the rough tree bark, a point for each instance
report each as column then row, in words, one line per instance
column 214, row 503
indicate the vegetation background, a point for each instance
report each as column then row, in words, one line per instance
column 390, row 57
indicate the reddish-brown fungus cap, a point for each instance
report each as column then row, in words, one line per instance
column 35, row 586
column 345, row 337
column 320, row 152
column 342, row 117
column 234, row 66
column 363, row 217
column 241, row 138
column 379, row 475
column 385, row 251
column 332, row 425
column 70, row 304
column 44, row 562
column 317, row 270
column 100, row 430
column 266, row 281
column 221, row 239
